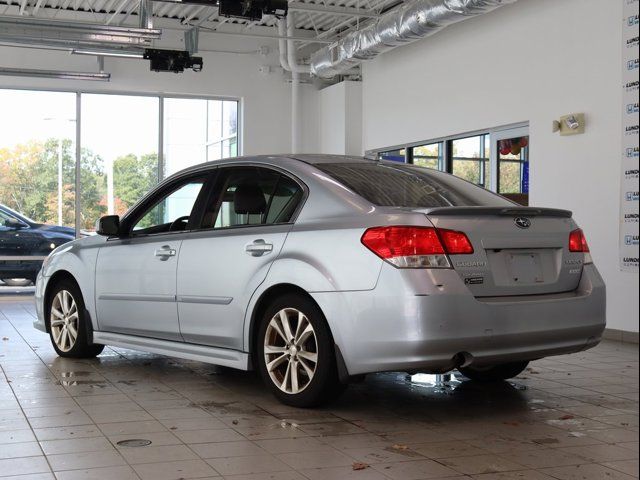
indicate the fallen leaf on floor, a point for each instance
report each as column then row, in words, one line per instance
column 359, row 466
column 399, row 447
column 567, row 417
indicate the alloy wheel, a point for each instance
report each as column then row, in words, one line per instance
column 290, row 350
column 64, row 320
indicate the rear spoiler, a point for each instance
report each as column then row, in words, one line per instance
column 506, row 211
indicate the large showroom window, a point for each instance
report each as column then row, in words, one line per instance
column 126, row 144
column 496, row 159
column 37, row 155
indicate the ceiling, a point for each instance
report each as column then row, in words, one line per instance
column 324, row 20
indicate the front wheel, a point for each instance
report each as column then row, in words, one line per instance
column 296, row 357
column 494, row 373
column 68, row 322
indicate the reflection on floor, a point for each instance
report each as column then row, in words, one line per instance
column 570, row 417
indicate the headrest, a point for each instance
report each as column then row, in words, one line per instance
column 248, row 198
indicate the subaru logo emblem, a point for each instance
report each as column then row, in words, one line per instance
column 522, row 222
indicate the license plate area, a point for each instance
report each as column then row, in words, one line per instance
column 524, row 268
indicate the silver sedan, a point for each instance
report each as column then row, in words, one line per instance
column 317, row 269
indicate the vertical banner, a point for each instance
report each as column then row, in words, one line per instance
column 630, row 135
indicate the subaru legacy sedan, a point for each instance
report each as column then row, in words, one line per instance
column 317, row 269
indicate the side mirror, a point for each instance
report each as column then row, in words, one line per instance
column 14, row 224
column 109, row 225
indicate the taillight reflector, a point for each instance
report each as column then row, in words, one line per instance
column 578, row 242
column 455, row 243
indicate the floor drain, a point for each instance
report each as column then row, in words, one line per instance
column 134, row 442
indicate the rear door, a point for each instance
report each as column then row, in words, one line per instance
column 243, row 230
column 517, row 251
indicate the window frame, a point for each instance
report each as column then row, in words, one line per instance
column 216, row 194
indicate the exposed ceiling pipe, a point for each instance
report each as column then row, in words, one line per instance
column 291, row 48
column 409, row 22
column 282, row 44
column 145, row 14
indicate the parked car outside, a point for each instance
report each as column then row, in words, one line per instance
column 24, row 244
column 315, row 270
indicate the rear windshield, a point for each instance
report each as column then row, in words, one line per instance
column 401, row 185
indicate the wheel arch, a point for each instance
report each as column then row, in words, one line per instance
column 54, row 280
column 264, row 300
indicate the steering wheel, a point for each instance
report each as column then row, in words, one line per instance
column 176, row 223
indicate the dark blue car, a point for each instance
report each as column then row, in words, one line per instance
column 24, row 244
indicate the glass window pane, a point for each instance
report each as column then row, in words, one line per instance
column 37, row 156
column 470, row 159
column 177, row 205
column 119, row 153
column 214, row 128
column 409, row 186
column 429, row 156
column 513, row 163
column 185, row 133
column 393, row 155
column 245, row 197
column 230, row 118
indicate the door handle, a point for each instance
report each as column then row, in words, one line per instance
column 165, row 252
column 258, row 248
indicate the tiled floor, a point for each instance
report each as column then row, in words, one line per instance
column 571, row 417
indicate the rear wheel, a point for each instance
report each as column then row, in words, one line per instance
column 494, row 373
column 68, row 322
column 295, row 352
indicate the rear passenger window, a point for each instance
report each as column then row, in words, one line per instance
column 252, row 196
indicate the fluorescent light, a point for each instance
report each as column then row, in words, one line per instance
column 108, row 53
column 59, row 74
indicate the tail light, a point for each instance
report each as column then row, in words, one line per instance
column 416, row 247
column 578, row 244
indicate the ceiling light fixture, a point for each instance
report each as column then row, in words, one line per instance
column 58, row 74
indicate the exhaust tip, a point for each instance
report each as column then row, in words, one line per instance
column 462, row 359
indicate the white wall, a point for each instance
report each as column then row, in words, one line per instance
column 265, row 99
column 532, row 61
column 340, row 119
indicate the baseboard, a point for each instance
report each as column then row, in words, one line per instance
column 620, row 335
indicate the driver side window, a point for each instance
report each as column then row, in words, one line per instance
column 172, row 212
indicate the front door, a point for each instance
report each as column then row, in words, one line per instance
column 136, row 274
column 244, row 228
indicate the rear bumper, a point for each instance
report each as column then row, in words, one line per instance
column 423, row 320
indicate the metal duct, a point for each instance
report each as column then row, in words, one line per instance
column 410, row 22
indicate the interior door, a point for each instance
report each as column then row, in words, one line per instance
column 220, row 267
column 510, row 157
column 136, row 275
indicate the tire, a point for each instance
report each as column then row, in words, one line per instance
column 494, row 373
column 17, row 282
column 66, row 314
column 309, row 339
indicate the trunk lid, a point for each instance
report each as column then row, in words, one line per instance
column 517, row 250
